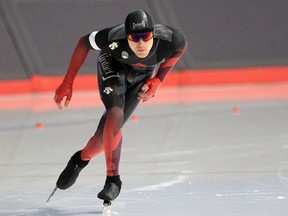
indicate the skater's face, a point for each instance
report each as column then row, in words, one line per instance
column 141, row 43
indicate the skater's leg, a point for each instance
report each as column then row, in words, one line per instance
column 116, row 118
column 112, row 88
column 81, row 158
column 95, row 144
column 112, row 146
column 113, row 140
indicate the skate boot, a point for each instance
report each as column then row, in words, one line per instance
column 71, row 172
column 111, row 188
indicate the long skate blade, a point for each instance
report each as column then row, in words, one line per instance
column 53, row 192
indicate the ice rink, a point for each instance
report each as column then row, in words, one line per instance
column 204, row 151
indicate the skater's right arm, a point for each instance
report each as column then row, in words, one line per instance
column 66, row 87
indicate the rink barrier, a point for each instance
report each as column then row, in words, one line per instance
column 44, row 83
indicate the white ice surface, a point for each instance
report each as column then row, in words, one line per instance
column 183, row 159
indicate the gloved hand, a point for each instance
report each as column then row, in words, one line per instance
column 149, row 89
column 65, row 89
column 77, row 59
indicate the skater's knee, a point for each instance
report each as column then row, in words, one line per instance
column 93, row 148
column 115, row 112
column 115, row 117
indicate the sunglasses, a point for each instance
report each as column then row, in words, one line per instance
column 146, row 36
